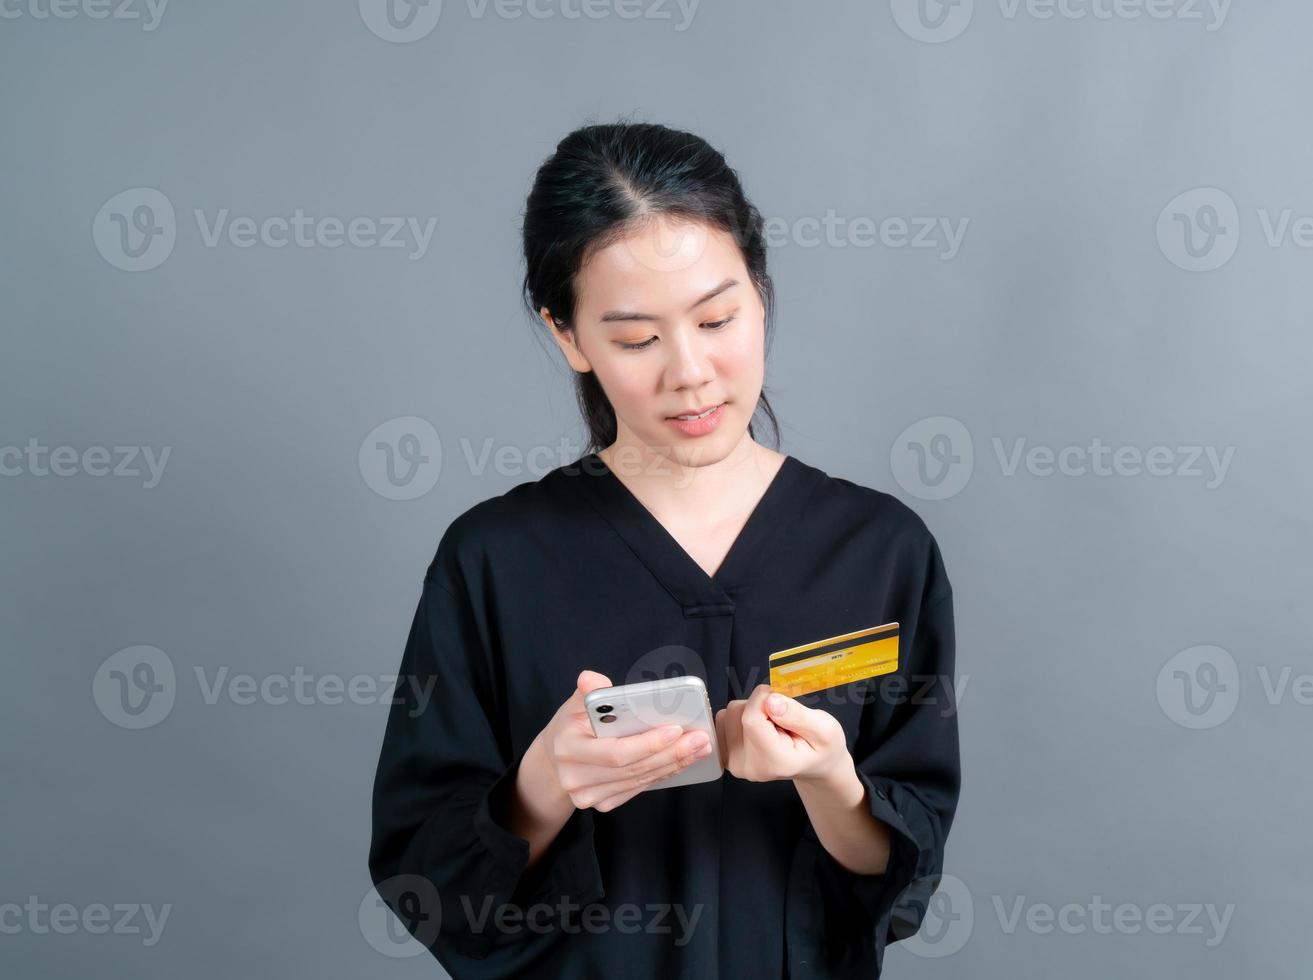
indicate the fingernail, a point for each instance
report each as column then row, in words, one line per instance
column 670, row 733
column 776, row 702
column 699, row 741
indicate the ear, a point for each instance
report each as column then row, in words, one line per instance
column 565, row 339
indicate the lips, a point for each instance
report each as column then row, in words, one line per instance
column 700, row 426
column 696, row 411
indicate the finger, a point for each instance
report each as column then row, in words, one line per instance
column 578, row 726
column 636, row 784
column 580, row 772
column 573, row 707
column 617, row 751
column 732, row 741
column 588, row 680
column 811, row 724
column 755, row 720
column 591, row 680
column 756, row 702
column 612, row 802
column 576, row 715
column 601, row 793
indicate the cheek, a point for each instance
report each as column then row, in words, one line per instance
column 627, row 381
column 743, row 357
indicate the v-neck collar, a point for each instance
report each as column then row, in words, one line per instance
column 700, row 594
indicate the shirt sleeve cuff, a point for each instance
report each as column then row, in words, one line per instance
column 876, row 892
column 568, row 869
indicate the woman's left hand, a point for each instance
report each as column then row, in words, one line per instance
column 762, row 742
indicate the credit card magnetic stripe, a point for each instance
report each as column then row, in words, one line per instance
column 837, row 643
column 835, row 661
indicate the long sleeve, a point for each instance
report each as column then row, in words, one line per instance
column 907, row 756
column 438, row 857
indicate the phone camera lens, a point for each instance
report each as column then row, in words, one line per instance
column 607, row 718
column 604, row 709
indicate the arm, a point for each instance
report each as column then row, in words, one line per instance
column 877, row 817
column 836, row 803
column 444, row 771
column 906, row 759
column 538, row 807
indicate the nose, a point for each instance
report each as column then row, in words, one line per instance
column 690, row 362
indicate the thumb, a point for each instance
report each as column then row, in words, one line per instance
column 788, row 713
column 591, row 680
column 588, row 680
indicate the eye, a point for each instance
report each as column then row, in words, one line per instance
column 716, row 325
column 646, row 343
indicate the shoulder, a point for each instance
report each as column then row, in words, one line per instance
column 857, row 511
column 487, row 528
column 843, row 499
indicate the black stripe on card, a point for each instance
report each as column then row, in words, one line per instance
column 832, row 647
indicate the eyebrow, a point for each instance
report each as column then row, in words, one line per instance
column 618, row 316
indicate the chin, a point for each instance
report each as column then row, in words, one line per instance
column 709, row 449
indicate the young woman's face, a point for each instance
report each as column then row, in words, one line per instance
column 671, row 323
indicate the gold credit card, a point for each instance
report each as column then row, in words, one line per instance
column 838, row 660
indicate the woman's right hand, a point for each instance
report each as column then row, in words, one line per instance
column 602, row 773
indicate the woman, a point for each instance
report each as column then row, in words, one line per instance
column 508, row 837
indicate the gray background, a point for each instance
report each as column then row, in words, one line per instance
column 1101, row 761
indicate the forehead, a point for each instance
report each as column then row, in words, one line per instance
column 660, row 268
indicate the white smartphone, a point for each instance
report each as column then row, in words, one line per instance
column 628, row 709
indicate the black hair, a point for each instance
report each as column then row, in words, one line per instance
column 601, row 183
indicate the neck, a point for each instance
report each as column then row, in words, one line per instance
column 692, row 480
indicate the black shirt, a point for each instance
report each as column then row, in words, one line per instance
column 723, row 878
